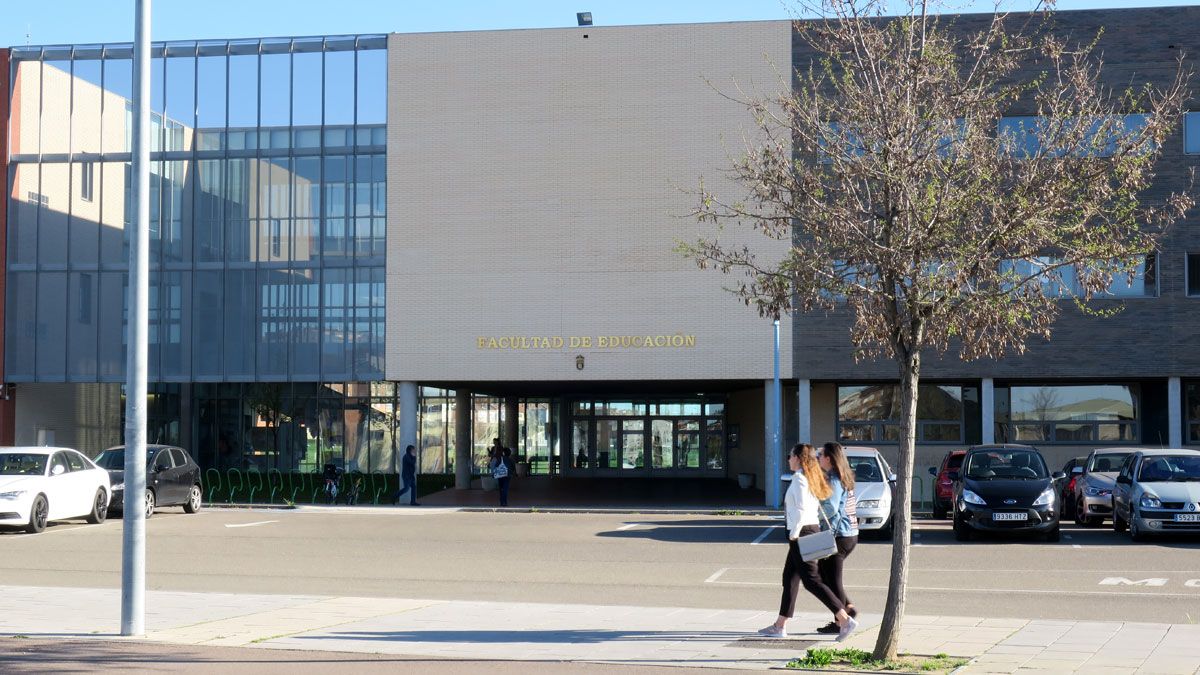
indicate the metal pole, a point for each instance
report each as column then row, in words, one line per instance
column 777, row 401
column 133, row 540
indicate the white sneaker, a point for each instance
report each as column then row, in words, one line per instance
column 773, row 632
column 846, row 630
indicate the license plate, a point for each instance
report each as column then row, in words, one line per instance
column 1187, row 517
column 1010, row 516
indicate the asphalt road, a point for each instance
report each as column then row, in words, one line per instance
column 611, row 559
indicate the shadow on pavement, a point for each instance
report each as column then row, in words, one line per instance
column 717, row 531
column 533, row 636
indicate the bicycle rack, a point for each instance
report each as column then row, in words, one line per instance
column 213, row 478
column 275, row 482
column 254, row 480
column 234, row 489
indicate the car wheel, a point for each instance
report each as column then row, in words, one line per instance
column 1135, row 532
column 1119, row 524
column 1054, row 535
column 39, row 515
column 961, row 531
column 99, row 508
column 1080, row 518
column 194, row 501
column 149, row 503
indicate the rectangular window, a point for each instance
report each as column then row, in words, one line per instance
column 1191, row 133
column 1025, row 136
column 1064, row 281
column 87, row 180
column 1091, row 413
column 1193, row 274
column 1192, row 409
column 871, row 413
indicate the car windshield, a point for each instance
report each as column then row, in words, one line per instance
column 1166, row 468
column 1109, row 461
column 114, row 459
column 23, row 464
column 866, row 469
column 1005, row 465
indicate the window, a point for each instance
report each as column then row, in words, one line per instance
column 1023, row 136
column 1064, row 281
column 871, row 413
column 1191, row 133
column 1192, row 410
column 85, row 298
column 1090, row 413
column 1192, row 270
column 87, row 180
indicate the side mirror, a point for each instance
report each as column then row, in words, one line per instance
column 1058, row 475
column 1076, row 471
column 58, row 470
column 953, row 475
column 933, row 471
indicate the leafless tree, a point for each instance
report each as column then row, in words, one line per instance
column 938, row 225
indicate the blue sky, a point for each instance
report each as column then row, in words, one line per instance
column 81, row 21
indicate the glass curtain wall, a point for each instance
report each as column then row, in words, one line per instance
column 267, row 202
column 537, row 440
column 631, row 437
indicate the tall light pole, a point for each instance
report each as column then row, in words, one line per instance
column 133, row 536
column 777, row 421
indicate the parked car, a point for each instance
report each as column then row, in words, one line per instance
column 1072, row 470
column 943, row 487
column 38, row 485
column 1158, row 492
column 172, row 477
column 1092, row 487
column 874, row 485
column 1005, row 488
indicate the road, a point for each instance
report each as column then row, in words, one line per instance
column 720, row 562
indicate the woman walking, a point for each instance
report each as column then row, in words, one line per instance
column 841, row 508
column 801, row 504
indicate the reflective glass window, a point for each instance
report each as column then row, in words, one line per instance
column 54, row 205
column 207, row 320
column 339, row 88
column 56, row 107
column 24, row 124
column 243, row 101
column 210, row 102
column 241, row 313
column 116, row 115
column 112, row 308
column 274, row 322
column 336, row 323
column 86, row 98
column 180, row 103
column 21, row 319
column 84, row 289
column 208, row 232
column 23, row 213
column 306, row 93
column 372, row 87
column 306, row 324
column 51, row 326
column 1191, row 133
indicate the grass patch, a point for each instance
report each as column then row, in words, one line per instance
column 857, row 659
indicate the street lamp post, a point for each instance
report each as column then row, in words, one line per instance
column 776, row 438
column 133, row 536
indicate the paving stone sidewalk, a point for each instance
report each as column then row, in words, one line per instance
column 602, row 634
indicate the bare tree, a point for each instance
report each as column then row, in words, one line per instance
column 911, row 202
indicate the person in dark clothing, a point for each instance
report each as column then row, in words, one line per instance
column 408, row 474
column 502, row 468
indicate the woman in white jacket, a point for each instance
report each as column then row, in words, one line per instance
column 801, row 503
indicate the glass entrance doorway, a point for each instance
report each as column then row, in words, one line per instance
column 643, row 437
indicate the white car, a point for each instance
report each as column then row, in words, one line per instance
column 38, row 485
column 873, row 480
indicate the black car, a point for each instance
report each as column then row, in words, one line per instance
column 1005, row 488
column 172, row 477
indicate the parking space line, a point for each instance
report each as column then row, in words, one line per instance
column 628, row 526
column 261, row 522
column 766, row 533
column 716, row 575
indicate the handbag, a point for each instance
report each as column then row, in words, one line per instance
column 817, row 545
column 500, row 470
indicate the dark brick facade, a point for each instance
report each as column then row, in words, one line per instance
column 1153, row 337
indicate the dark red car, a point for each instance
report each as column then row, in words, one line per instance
column 943, row 487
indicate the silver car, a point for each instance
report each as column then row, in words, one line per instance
column 1158, row 492
column 1092, row 495
column 873, row 487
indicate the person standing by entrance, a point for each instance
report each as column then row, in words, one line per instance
column 841, row 509
column 408, row 475
column 801, row 504
column 502, row 470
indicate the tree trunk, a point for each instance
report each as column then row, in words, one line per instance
column 889, row 631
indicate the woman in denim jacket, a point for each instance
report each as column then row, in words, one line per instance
column 842, row 510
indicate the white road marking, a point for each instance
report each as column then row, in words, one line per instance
column 630, row 526
column 261, row 522
column 716, row 575
column 766, row 533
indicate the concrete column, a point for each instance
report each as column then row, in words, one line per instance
column 987, row 406
column 407, row 410
column 1174, row 413
column 771, row 459
column 804, row 414
column 462, row 440
column 511, row 428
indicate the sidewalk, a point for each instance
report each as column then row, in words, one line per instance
column 642, row 636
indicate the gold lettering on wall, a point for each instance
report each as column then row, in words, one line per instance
column 542, row 342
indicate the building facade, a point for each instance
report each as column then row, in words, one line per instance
column 361, row 242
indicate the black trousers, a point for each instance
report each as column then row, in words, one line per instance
column 410, row 483
column 504, row 489
column 796, row 572
column 831, row 567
